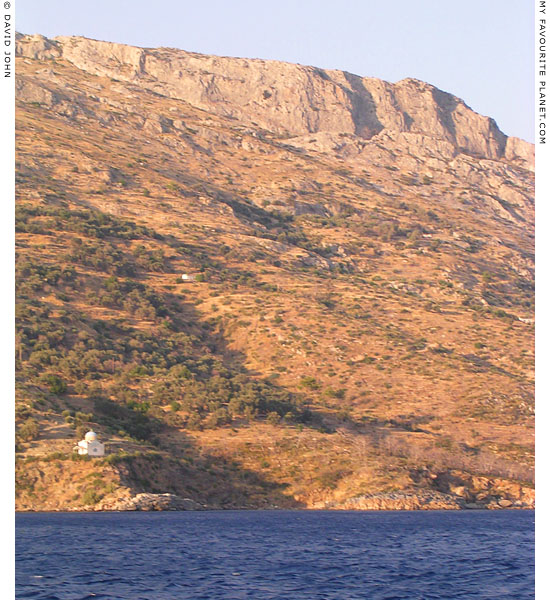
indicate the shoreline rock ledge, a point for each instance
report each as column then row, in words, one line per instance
column 425, row 500
column 150, row 502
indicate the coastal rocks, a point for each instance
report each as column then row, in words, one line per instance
column 484, row 492
column 457, row 497
column 399, row 501
column 151, row 502
column 505, row 503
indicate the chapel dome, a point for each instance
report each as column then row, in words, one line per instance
column 91, row 436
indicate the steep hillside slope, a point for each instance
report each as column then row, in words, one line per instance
column 359, row 320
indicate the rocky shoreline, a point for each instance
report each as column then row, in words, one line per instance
column 150, row 502
column 426, row 501
column 392, row 501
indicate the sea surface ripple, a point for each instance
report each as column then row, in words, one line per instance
column 276, row 555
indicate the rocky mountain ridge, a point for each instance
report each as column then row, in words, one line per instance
column 292, row 100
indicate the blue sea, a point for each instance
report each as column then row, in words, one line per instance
column 291, row 555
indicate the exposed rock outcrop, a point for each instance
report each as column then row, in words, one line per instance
column 292, row 100
column 421, row 500
column 484, row 492
column 458, row 498
column 150, row 502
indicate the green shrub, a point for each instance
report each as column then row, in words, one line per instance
column 28, row 431
column 81, row 431
column 91, row 497
column 273, row 418
column 56, row 384
column 309, row 382
column 55, row 456
column 332, row 393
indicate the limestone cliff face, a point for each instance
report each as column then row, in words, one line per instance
column 292, row 100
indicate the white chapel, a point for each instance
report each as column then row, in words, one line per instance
column 90, row 445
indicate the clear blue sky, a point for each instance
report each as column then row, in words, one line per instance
column 479, row 50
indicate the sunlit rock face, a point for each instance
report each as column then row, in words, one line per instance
column 291, row 99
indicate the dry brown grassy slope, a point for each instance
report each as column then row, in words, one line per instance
column 364, row 309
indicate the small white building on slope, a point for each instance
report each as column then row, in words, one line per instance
column 90, row 445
